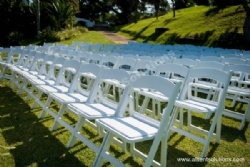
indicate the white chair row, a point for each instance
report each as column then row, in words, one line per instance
column 61, row 79
column 130, row 64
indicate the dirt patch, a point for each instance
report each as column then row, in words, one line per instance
column 116, row 38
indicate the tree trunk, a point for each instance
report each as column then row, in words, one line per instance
column 246, row 27
column 173, row 6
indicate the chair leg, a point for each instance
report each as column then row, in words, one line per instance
column 78, row 126
column 47, row 104
column 21, row 90
column 210, row 133
column 246, row 117
column 59, row 115
column 38, row 97
column 189, row 120
column 104, row 147
column 181, row 118
column 30, row 92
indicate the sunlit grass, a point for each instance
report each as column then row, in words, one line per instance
column 93, row 37
column 26, row 140
column 202, row 22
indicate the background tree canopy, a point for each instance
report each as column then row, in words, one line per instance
column 19, row 17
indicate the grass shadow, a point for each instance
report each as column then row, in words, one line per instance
column 32, row 141
column 213, row 11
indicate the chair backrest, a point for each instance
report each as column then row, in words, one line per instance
column 55, row 68
column 121, row 78
column 95, row 58
column 16, row 54
column 145, row 66
column 175, row 72
column 240, row 71
column 84, row 78
column 67, row 72
column 83, row 56
column 144, row 58
column 129, row 55
column 159, row 84
column 126, row 64
column 185, row 61
column 26, row 57
column 222, row 79
column 2, row 52
column 233, row 60
column 37, row 62
column 46, row 65
column 96, row 47
column 109, row 61
column 210, row 64
column 211, row 58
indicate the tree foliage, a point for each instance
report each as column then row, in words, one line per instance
column 60, row 12
column 16, row 22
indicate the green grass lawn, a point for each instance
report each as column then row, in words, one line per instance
column 93, row 37
column 26, row 140
column 200, row 25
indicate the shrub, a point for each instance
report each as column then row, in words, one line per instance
column 48, row 35
column 14, row 38
column 71, row 32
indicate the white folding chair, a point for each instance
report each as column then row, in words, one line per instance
column 233, row 60
column 239, row 91
column 50, row 78
column 61, row 84
column 207, row 64
column 174, row 72
column 185, row 61
column 109, row 61
column 76, row 93
column 98, row 105
column 22, row 65
column 138, row 127
column 201, row 105
column 28, row 69
column 15, row 57
column 44, row 69
column 146, row 67
column 211, row 58
column 210, row 64
column 126, row 64
column 95, row 58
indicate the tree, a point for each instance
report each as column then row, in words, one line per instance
column 16, row 22
column 159, row 5
column 61, row 13
column 246, row 26
column 127, row 8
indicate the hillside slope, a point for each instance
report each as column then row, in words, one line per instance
column 199, row 25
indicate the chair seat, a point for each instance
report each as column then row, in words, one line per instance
column 89, row 75
column 92, row 111
column 195, row 106
column 69, row 97
column 238, row 91
column 29, row 74
column 114, row 82
column 37, row 81
column 52, row 89
column 151, row 94
column 129, row 128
